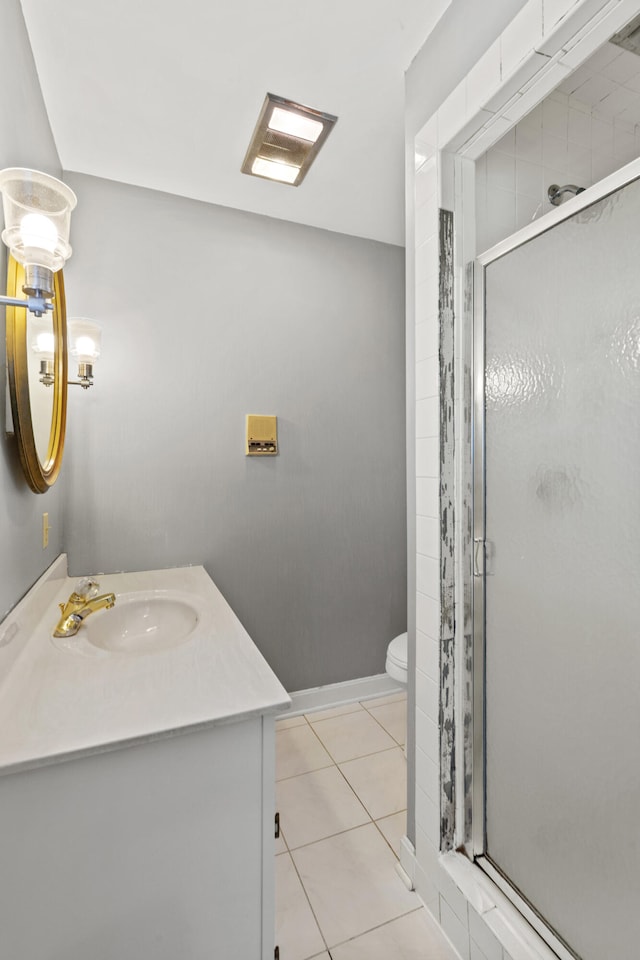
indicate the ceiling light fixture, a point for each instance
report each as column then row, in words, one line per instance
column 286, row 140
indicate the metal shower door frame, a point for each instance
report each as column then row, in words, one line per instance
column 616, row 181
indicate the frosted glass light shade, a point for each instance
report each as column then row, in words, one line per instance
column 285, row 172
column 37, row 217
column 284, row 121
column 85, row 339
column 41, row 337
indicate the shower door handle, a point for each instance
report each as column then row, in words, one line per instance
column 478, row 557
column 483, row 556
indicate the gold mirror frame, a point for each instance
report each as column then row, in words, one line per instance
column 40, row 475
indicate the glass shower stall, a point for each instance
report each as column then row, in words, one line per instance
column 556, row 524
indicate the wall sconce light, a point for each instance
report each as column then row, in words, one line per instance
column 37, row 216
column 286, row 140
column 85, row 341
column 43, row 344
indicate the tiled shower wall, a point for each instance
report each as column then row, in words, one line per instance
column 561, row 141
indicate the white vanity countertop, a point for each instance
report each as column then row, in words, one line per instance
column 56, row 703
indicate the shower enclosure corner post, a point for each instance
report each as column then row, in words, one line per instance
column 464, row 253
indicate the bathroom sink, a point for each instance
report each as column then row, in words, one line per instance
column 141, row 622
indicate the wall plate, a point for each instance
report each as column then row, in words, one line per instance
column 262, row 436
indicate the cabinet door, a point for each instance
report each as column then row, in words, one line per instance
column 155, row 851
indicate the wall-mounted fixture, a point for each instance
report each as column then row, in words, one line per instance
column 262, row 436
column 557, row 194
column 37, row 213
column 85, row 339
column 37, row 218
column 43, row 344
column 286, row 140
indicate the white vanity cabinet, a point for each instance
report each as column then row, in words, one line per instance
column 160, row 851
column 129, row 835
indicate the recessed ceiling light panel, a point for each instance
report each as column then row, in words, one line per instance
column 286, row 140
column 271, row 170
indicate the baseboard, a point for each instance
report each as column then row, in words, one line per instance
column 337, row 694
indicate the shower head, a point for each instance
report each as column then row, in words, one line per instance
column 556, row 193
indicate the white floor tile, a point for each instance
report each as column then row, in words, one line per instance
column 413, row 937
column 393, row 829
column 288, row 722
column 380, row 782
column 280, row 844
column 352, row 735
column 333, row 712
column 393, row 717
column 352, row 884
column 298, row 750
column 317, row 805
column 381, row 701
column 297, row 932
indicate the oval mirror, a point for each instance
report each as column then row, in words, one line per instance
column 37, row 369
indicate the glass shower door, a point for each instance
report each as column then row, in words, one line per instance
column 560, row 512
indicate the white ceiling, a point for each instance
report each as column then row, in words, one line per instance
column 165, row 95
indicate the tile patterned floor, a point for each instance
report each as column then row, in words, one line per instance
column 341, row 793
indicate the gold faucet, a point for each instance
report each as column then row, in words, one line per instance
column 82, row 603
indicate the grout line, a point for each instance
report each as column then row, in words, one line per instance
column 304, row 890
column 284, row 840
column 388, row 732
column 379, row 926
column 357, row 707
column 363, row 756
column 325, row 766
column 363, row 932
column 335, row 764
column 353, row 790
column 396, row 746
column 295, row 867
column 375, row 823
column 386, row 839
column 339, row 833
column 373, row 752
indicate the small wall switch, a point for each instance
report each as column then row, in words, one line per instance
column 262, row 436
column 45, row 530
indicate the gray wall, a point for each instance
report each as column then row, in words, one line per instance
column 25, row 141
column 308, row 547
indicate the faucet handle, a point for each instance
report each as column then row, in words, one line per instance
column 87, row 588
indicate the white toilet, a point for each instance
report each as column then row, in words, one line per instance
column 396, row 665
